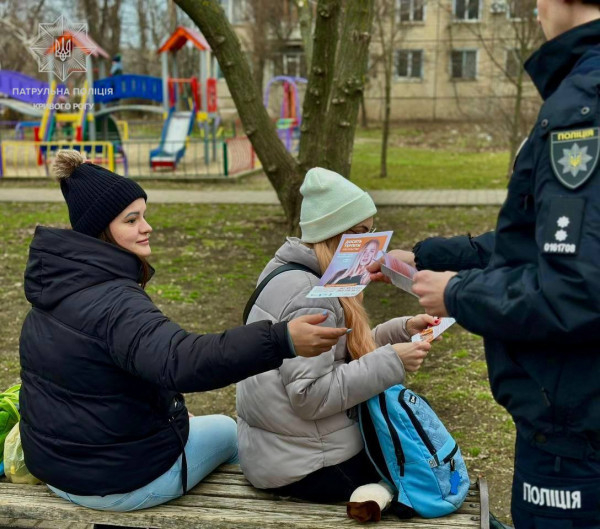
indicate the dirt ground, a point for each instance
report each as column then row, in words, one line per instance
column 207, row 260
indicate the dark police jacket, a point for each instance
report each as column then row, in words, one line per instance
column 102, row 368
column 534, row 294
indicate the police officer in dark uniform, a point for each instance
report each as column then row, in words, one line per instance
column 534, row 291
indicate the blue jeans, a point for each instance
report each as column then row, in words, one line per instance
column 212, row 441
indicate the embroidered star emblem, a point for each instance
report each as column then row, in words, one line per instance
column 575, row 160
column 563, row 221
column 560, row 235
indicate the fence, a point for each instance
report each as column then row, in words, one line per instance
column 202, row 159
column 33, row 159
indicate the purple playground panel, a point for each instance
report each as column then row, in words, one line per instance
column 21, row 87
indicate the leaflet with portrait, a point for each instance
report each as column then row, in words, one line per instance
column 347, row 274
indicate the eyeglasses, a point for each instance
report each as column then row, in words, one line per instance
column 354, row 232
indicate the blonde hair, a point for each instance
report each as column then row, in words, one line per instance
column 360, row 341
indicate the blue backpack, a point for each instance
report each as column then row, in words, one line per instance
column 414, row 453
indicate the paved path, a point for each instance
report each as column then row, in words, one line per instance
column 433, row 197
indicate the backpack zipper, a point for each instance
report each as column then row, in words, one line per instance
column 450, row 456
column 418, row 426
column 393, row 434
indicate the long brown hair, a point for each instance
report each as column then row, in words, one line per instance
column 360, row 341
column 146, row 270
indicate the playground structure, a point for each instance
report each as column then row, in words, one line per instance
column 188, row 108
column 180, row 121
column 290, row 117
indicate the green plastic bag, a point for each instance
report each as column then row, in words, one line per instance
column 9, row 413
column 14, row 460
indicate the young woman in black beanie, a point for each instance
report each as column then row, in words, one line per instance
column 103, row 421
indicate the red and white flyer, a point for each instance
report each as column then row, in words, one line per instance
column 400, row 274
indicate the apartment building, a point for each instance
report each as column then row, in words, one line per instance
column 452, row 59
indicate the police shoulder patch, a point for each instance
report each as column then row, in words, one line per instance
column 574, row 155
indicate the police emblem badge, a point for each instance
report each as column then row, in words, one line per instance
column 574, row 155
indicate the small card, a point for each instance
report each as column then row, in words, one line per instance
column 399, row 273
column 431, row 333
column 347, row 275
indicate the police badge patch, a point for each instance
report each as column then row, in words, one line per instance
column 574, row 155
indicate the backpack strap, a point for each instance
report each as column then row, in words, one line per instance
column 279, row 270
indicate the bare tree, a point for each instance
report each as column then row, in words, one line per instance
column 306, row 17
column 19, row 23
column 515, row 34
column 104, row 22
column 388, row 15
column 330, row 108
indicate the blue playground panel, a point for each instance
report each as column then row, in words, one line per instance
column 128, row 86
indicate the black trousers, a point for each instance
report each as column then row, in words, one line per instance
column 334, row 483
column 551, row 492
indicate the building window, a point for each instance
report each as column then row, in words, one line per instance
column 236, row 10
column 411, row 10
column 409, row 64
column 513, row 63
column 466, row 9
column 520, row 9
column 464, row 64
column 290, row 63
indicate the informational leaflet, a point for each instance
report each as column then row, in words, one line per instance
column 347, row 274
column 431, row 333
column 400, row 274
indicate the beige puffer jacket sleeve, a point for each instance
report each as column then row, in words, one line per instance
column 392, row 331
column 325, row 385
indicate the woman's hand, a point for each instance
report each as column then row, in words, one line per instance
column 420, row 322
column 412, row 354
column 311, row 340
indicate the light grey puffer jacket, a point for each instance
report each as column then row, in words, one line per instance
column 293, row 420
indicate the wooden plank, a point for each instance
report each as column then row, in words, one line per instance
column 224, row 500
column 179, row 517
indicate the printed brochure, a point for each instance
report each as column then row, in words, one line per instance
column 347, row 275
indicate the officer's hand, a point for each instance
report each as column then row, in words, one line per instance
column 404, row 256
column 311, row 340
column 430, row 286
column 400, row 255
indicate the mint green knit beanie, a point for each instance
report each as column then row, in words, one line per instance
column 331, row 205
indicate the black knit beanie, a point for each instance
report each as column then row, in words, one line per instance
column 94, row 195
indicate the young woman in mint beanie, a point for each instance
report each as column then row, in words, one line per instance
column 296, row 433
column 103, row 421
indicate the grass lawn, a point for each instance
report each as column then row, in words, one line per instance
column 422, row 168
column 207, row 260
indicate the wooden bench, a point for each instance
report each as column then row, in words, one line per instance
column 223, row 500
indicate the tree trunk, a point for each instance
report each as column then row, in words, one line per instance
column 364, row 120
column 320, row 80
column 143, row 49
column 280, row 167
column 386, row 120
column 348, row 86
column 306, row 30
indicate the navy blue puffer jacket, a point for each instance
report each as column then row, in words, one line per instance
column 102, row 368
